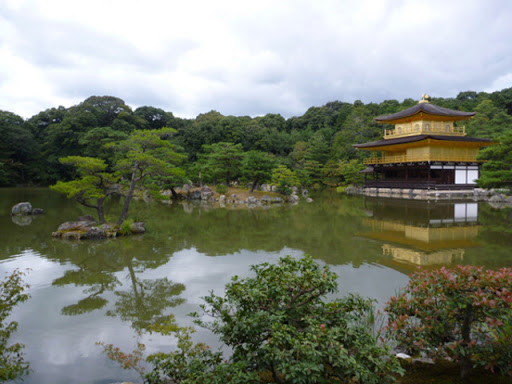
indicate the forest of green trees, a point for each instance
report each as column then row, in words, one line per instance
column 316, row 147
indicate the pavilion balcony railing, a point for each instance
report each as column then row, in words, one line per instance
column 408, row 131
column 420, row 159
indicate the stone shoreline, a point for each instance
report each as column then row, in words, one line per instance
column 240, row 197
column 495, row 196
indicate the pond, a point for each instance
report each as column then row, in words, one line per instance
column 90, row 291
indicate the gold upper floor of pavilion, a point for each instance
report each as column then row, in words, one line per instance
column 424, row 127
column 425, row 119
column 425, row 133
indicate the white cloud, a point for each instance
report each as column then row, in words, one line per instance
column 248, row 57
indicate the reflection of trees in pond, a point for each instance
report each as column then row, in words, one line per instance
column 146, row 300
column 97, row 281
column 325, row 229
column 497, row 225
column 496, row 235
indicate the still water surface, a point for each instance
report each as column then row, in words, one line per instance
column 90, row 291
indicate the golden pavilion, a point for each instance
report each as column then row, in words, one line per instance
column 426, row 149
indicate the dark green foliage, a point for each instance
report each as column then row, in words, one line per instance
column 342, row 172
column 94, row 185
column 147, row 157
column 284, row 178
column 154, row 118
column 497, row 171
column 257, row 167
column 30, row 150
column 222, row 189
column 278, row 322
column 224, row 160
column 490, row 122
column 12, row 293
column 17, row 150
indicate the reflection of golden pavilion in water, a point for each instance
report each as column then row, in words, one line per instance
column 423, row 233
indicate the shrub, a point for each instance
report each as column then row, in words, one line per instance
column 279, row 323
column 455, row 313
column 125, row 227
column 12, row 364
column 222, row 189
column 281, row 329
column 284, row 178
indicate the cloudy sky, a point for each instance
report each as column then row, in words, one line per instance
column 249, row 57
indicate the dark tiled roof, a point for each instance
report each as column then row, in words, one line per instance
column 428, row 108
column 412, row 139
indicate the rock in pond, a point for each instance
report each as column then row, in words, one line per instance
column 94, row 233
column 266, row 199
column 21, row 209
column 138, row 227
column 195, row 195
column 37, row 211
column 81, row 226
column 206, row 193
column 252, row 200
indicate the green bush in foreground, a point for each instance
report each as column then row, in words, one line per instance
column 12, row 364
column 281, row 329
column 279, row 323
column 461, row 313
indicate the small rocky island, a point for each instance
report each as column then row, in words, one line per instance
column 86, row 228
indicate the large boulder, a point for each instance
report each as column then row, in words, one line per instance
column 94, row 233
column 138, row 227
column 206, row 193
column 195, row 195
column 293, row 198
column 76, row 226
column 21, row 209
column 252, row 200
column 109, row 229
column 266, row 199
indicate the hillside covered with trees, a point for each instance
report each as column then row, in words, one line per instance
column 315, row 148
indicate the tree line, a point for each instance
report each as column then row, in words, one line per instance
column 317, row 147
